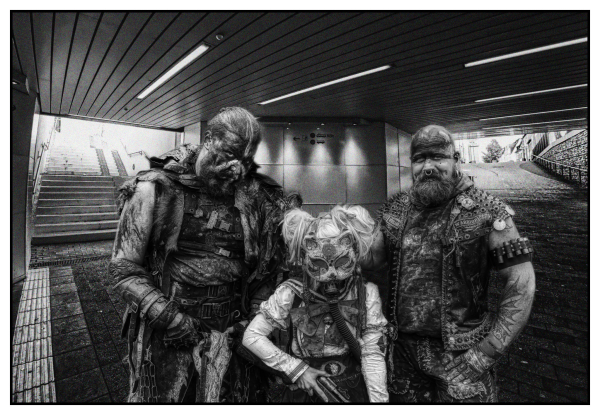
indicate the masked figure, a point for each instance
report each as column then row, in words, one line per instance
column 333, row 320
column 440, row 241
column 197, row 249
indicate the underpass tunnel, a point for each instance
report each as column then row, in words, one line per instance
column 338, row 95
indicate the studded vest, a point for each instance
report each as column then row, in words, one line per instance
column 465, row 319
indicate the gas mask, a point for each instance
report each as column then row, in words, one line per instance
column 329, row 259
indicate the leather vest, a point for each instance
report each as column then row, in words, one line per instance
column 211, row 224
column 465, row 263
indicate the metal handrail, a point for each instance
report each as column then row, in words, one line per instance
column 141, row 152
column 549, row 164
column 43, row 148
column 559, row 164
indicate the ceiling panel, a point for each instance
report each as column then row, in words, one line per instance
column 96, row 64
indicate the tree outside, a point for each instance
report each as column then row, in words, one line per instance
column 494, row 152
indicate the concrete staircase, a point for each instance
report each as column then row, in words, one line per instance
column 76, row 202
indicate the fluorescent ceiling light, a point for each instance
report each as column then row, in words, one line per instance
column 178, row 67
column 533, row 93
column 337, row 81
column 533, row 123
column 532, row 113
column 527, row 52
column 116, row 121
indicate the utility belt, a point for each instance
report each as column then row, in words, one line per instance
column 207, row 302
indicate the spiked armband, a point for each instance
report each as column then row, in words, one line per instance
column 513, row 252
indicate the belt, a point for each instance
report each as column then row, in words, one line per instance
column 213, row 300
column 193, row 247
column 211, row 291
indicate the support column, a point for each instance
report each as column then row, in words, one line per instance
column 21, row 114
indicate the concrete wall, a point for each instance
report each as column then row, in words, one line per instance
column 354, row 164
column 191, row 133
column 22, row 115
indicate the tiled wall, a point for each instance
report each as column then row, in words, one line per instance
column 353, row 164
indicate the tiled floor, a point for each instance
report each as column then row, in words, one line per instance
column 32, row 363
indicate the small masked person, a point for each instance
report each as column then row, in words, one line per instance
column 440, row 240
column 336, row 351
column 198, row 243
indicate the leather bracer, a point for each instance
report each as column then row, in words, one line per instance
column 142, row 296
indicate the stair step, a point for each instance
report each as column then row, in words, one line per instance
column 66, row 210
column 96, row 194
column 74, row 168
column 75, row 187
column 103, row 201
column 72, row 163
column 78, row 183
column 75, row 178
column 79, row 217
column 65, row 237
column 81, row 173
column 75, row 226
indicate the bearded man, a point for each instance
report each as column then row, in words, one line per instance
column 198, row 248
column 440, row 240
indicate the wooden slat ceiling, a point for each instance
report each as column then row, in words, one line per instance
column 96, row 64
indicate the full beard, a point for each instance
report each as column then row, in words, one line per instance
column 218, row 179
column 432, row 191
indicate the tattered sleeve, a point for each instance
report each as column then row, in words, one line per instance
column 273, row 314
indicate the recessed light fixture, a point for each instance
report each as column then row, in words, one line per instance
column 533, row 123
column 336, row 81
column 115, row 121
column 171, row 72
column 532, row 113
column 322, row 124
column 527, row 52
column 532, row 93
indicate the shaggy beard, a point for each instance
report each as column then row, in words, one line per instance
column 219, row 180
column 432, row 191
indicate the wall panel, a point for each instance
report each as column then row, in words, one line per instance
column 366, row 184
column 298, row 148
column 317, row 184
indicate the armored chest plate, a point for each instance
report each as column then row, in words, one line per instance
column 211, row 224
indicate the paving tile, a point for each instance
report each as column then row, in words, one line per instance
column 82, row 387
column 65, row 310
column 62, row 280
column 102, row 399
column 70, row 297
column 66, row 342
column 63, row 288
column 68, row 324
column 115, row 376
column 100, row 334
column 77, row 361
column 120, row 395
column 106, row 353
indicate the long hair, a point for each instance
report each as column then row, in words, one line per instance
column 238, row 126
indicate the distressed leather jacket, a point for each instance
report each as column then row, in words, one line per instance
column 466, row 262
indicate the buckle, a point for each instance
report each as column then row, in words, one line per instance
column 224, row 226
column 224, row 252
column 133, row 307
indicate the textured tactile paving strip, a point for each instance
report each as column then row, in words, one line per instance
column 32, row 363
